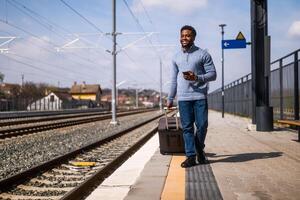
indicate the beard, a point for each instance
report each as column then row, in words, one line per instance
column 186, row 45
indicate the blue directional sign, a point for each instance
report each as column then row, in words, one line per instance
column 233, row 44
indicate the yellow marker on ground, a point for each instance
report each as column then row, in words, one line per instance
column 174, row 188
column 83, row 164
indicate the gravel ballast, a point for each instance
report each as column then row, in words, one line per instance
column 21, row 153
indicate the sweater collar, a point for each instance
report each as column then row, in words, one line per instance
column 189, row 50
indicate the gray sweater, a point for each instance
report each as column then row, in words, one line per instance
column 198, row 61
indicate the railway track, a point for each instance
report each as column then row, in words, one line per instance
column 37, row 125
column 26, row 114
column 18, row 121
column 61, row 179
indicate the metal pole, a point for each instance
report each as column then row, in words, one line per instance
column 136, row 98
column 223, row 103
column 160, row 85
column 117, row 96
column 262, row 113
column 280, row 89
column 22, row 80
column 113, row 96
column 296, row 87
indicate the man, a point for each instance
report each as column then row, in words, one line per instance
column 192, row 69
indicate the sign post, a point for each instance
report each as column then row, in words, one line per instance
column 238, row 43
column 223, row 104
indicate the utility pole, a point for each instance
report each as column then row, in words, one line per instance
column 262, row 113
column 160, row 85
column 22, row 80
column 136, row 98
column 223, row 103
column 113, row 92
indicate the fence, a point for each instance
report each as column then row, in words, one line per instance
column 284, row 91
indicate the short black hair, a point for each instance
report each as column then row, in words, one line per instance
column 188, row 27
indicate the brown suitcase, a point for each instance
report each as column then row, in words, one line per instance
column 170, row 135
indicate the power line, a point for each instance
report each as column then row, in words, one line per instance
column 92, row 24
column 31, row 66
column 140, row 26
column 37, row 20
column 43, row 40
column 48, row 64
column 148, row 16
column 60, row 54
column 84, row 18
column 150, row 20
column 49, row 24
column 133, row 15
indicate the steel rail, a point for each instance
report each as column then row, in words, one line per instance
column 24, row 114
column 88, row 185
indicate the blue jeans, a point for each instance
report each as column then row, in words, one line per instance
column 194, row 112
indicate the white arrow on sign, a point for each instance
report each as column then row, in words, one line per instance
column 226, row 44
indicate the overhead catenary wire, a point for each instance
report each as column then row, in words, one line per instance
column 84, row 18
column 49, row 26
column 93, row 25
column 48, row 42
column 51, row 65
column 34, row 67
column 35, row 36
column 150, row 20
column 140, row 26
column 46, row 49
column 142, row 29
column 48, row 23
column 12, row 3
column 18, row 72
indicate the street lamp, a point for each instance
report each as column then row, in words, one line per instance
column 222, row 32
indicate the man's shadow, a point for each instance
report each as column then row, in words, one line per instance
column 244, row 157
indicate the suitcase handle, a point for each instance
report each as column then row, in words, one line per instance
column 176, row 118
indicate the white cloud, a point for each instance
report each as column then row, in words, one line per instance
column 294, row 30
column 178, row 6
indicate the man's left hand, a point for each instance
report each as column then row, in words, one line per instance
column 190, row 77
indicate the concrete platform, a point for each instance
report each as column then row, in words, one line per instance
column 243, row 165
column 117, row 185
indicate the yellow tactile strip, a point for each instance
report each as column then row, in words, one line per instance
column 175, row 182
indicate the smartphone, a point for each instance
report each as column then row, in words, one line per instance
column 188, row 73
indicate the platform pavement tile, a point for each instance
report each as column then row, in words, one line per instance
column 265, row 173
column 138, row 192
column 248, row 195
column 112, row 194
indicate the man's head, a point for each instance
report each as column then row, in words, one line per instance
column 187, row 36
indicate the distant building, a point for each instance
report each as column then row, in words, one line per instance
column 53, row 101
column 87, row 92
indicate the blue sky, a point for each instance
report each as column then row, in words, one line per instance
column 34, row 53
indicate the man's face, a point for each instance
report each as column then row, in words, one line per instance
column 186, row 38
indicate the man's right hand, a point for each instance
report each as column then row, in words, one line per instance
column 169, row 104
